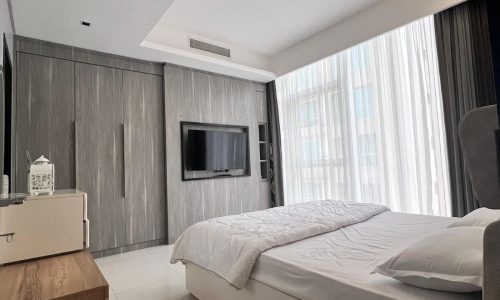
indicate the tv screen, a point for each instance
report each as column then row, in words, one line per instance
column 216, row 150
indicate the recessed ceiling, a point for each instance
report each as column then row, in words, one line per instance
column 263, row 26
column 266, row 37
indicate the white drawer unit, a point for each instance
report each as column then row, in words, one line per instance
column 44, row 225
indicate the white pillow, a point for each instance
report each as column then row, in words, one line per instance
column 448, row 260
column 480, row 217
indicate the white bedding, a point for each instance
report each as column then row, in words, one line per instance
column 229, row 246
column 337, row 265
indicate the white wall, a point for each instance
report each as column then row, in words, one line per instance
column 380, row 18
column 5, row 27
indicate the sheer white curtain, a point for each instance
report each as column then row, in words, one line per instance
column 367, row 125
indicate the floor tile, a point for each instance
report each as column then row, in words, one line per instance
column 121, row 257
column 122, row 278
column 164, row 251
column 178, row 268
column 124, row 264
column 172, row 289
column 163, row 254
column 112, row 296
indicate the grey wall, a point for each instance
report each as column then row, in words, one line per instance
column 197, row 96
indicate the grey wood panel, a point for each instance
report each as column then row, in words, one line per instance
column 39, row 47
column 261, row 107
column 44, row 48
column 99, row 152
column 178, row 87
column 198, row 96
column 144, row 157
column 261, row 87
column 45, row 117
column 265, row 195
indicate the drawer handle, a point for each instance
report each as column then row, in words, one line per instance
column 9, row 236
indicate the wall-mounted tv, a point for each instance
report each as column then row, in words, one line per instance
column 214, row 151
column 209, row 150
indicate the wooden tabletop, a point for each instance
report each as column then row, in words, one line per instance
column 63, row 276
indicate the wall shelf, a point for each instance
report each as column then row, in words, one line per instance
column 263, row 152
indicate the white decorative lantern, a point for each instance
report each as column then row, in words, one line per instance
column 41, row 177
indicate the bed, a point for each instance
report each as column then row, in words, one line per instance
column 328, row 250
column 334, row 263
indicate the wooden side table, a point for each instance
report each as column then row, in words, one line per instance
column 73, row 276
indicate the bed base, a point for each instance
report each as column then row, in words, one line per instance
column 205, row 285
column 491, row 259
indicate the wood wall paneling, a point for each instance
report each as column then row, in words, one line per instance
column 144, row 157
column 45, row 117
column 178, row 86
column 44, row 48
column 119, row 109
column 261, row 112
column 99, row 121
column 197, row 96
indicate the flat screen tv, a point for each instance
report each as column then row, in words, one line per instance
column 216, row 150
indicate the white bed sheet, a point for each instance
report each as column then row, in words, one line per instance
column 337, row 265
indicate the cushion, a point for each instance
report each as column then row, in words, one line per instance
column 450, row 260
column 480, row 217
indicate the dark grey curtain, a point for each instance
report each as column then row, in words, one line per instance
column 467, row 80
column 275, row 146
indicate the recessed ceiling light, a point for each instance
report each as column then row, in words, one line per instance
column 85, row 23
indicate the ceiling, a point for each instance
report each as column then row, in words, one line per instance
column 266, row 38
column 263, row 26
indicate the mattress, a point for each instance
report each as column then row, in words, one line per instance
column 338, row 265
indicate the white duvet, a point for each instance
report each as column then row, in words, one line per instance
column 229, row 246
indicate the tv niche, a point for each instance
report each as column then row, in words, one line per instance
column 212, row 151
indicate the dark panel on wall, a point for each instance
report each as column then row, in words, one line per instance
column 45, row 117
column 145, row 205
column 99, row 152
column 2, row 119
column 494, row 26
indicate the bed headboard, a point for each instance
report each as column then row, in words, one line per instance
column 477, row 134
column 477, row 137
column 491, row 261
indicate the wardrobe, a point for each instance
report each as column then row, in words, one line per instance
column 100, row 119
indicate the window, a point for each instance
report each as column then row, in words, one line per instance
column 312, row 190
column 333, row 68
column 353, row 129
column 311, row 150
column 367, row 150
column 308, row 113
column 363, row 101
column 360, row 57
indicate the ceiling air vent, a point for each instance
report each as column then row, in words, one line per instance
column 203, row 46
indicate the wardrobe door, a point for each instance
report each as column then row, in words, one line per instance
column 144, row 157
column 45, row 117
column 99, row 152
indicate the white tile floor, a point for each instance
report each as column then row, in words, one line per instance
column 144, row 274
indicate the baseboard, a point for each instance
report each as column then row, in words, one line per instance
column 127, row 248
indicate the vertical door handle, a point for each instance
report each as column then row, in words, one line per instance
column 75, row 155
column 123, row 162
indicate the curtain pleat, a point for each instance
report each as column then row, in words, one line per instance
column 467, row 81
column 366, row 125
column 275, row 146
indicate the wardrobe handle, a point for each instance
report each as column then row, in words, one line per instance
column 75, row 155
column 123, row 162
